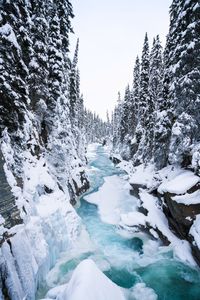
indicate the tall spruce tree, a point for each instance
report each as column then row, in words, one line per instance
column 117, row 121
column 144, row 103
column 124, row 125
column 155, row 93
column 73, row 85
column 165, row 111
column 136, row 86
column 144, row 82
column 38, row 66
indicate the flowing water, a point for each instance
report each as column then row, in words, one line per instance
column 126, row 260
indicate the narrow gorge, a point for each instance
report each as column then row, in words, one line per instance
column 99, row 199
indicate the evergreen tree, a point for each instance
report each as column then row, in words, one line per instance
column 164, row 114
column 156, row 73
column 73, row 85
column 136, row 86
column 38, row 65
column 178, row 119
column 14, row 96
column 144, row 83
column 185, row 88
column 117, row 121
column 124, row 124
column 155, row 93
column 143, row 104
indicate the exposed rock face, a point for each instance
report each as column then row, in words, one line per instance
column 115, row 160
column 181, row 218
column 135, row 189
column 8, row 208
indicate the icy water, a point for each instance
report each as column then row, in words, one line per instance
column 127, row 260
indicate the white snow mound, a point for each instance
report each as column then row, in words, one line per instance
column 180, row 184
column 88, row 282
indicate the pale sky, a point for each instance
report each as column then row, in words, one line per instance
column 111, row 34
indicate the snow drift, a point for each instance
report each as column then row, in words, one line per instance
column 88, row 282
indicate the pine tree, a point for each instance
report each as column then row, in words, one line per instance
column 124, row 125
column 14, row 96
column 73, row 85
column 164, row 114
column 156, row 73
column 136, row 86
column 117, row 121
column 144, row 82
column 143, row 104
column 166, row 104
column 38, row 66
column 155, row 93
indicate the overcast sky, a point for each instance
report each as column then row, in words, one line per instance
column 111, row 34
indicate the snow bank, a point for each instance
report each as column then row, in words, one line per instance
column 127, row 166
column 171, row 179
column 133, row 219
column 88, row 282
column 188, row 199
column 143, row 175
column 180, row 184
column 110, row 199
column 157, row 219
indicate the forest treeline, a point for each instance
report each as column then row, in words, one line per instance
column 158, row 119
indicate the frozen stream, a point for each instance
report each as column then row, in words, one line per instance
column 135, row 262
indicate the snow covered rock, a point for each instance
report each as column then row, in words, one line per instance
column 180, row 184
column 88, row 282
column 116, row 158
column 158, row 221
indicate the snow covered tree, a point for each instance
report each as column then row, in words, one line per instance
column 73, row 85
column 38, row 66
column 124, row 124
column 164, row 114
column 117, row 121
column 14, row 98
column 166, row 104
column 178, row 117
column 156, row 73
column 144, row 103
column 155, row 93
column 144, row 82
column 95, row 128
column 136, row 86
column 185, row 88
